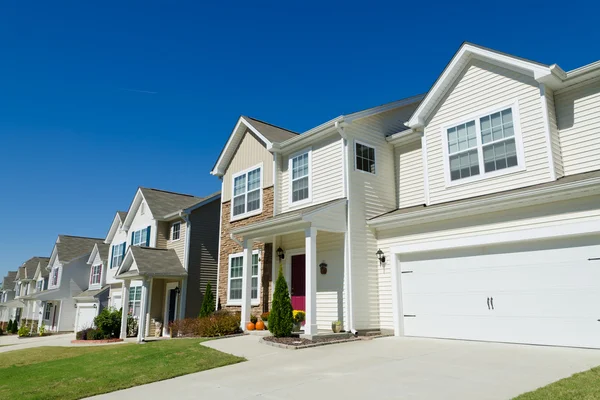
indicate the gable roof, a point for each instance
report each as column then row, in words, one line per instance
column 68, row 248
column 118, row 219
column 28, row 268
column 8, row 282
column 551, row 75
column 100, row 248
column 162, row 203
column 151, row 262
column 122, row 215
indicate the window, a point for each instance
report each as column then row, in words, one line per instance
column 365, row 158
column 47, row 311
column 118, row 252
column 236, row 262
column 135, row 300
column 299, row 167
column 96, row 274
column 39, row 285
column 54, row 276
column 247, row 192
column 141, row 237
column 487, row 142
column 176, row 231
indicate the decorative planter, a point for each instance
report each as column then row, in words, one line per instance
column 335, row 327
column 297, row 326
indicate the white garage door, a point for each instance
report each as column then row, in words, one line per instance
column 537, row 292
column 85, row 317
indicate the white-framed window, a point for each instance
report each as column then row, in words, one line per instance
column 54, row 276
column 364, row 157
column 39, row 285
column 247, row 193
column 47, row 309
column 140, row 237
column 118, row 252
column 176, row 231
column 300, row 173
column 135, row 300
column 483, row 145
column 96, row 274
column 236, row 266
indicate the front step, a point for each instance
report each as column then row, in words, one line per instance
column 369, row 333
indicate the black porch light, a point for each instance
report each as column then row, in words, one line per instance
column 177, row 290
column 380, row 256
column 280, row 254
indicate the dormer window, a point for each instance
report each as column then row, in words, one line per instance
column 483, row 145
column 247, row 193
column 96, row 274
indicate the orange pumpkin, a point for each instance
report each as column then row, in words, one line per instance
column 260, row 326
column 250, row 326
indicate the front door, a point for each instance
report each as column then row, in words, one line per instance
column 299, row 282
column 172, row 305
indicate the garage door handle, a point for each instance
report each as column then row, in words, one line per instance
column 492, row 302
column 488, row 302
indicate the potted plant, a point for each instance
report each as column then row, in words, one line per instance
column 299, row 317
column 42, row 330
column 265, row 319
column 252, row 324
column 336, row 326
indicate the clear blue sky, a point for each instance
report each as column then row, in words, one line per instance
column 96, row 100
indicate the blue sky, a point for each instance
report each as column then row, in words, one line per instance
column 96, row 101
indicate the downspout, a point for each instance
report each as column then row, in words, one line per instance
column 236, row 240
column 186, row 263
column 348, row 239
column 219, row 246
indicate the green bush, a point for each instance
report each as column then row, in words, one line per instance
column 109, row 322
column 220, row 323
column 14, row 328
column 208, row 304
column 281, row 320
column 132, row 326
column 91, row 334
column 9, row 326
column 1, row 332
column 24, row 331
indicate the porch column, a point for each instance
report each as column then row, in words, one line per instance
column 310, row 325
column 246, row 284
column 125, row 308
column 143, row 311
column 183, row 297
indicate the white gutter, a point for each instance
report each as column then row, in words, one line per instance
column 236, row 240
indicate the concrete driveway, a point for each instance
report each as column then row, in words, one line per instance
column 387, row 368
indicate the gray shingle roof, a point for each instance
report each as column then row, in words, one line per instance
column 151, row 261
column 43, row 264
column 103, row 250
column 163, row 203
column 72, row 247
column 273, row 133
column 27, row 269
column 92, row 293
column 8, row 283
column 122, row 215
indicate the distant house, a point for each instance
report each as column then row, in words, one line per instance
column 27, row 284
column 7, row 295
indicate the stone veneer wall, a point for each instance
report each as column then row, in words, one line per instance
column 228, row 247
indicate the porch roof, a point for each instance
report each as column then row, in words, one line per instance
column 13, row 303
column 150, row 262
column 90, row 294
column 47, row 295
column 328, row 216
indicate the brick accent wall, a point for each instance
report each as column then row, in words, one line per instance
column 228, row 247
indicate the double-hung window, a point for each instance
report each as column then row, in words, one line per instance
column 247, row 193
column 118, row 252
column 483, row 145
column 54, row 276
column 236, row 263
column 300, row 171
column 141, row 237
column 176, row 231
column 39, row 285
column 96, row 274
column 365, row 157
column 47, row 309
column 135, row 300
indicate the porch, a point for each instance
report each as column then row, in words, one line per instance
column 311, row 252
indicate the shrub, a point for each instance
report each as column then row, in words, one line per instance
column 15, row 327
column 109, row 322
column 220, row 323
column 281, row 320
column 264, row 316
column 253, row 319
column 9, row 326
column 1, row 332
column 208, row 304
column 91, row 334
column 24, row 331
column 42, row 330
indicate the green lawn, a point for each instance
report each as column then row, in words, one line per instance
column 76, row 372
column 581, row 386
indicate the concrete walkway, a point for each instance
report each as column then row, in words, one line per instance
column 12, row 342
column 398, row 368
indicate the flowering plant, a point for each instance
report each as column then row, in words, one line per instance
column 299, row 316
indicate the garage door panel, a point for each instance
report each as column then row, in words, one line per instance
column 85, row 317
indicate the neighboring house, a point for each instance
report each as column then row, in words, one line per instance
column 93, row 300
column 472, row 212
column 68, row 277
column 164, row 250
column 26, row 285
column 7, row 295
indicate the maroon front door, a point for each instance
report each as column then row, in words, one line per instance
column 299, row 282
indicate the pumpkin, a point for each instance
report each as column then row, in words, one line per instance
column 250, row 326
column 260, row 326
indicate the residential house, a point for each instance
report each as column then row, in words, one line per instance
column 472, row 212
column 26, row 285
column 93, row 300
column 68, row 277
column 164, row 251
column 7, row 295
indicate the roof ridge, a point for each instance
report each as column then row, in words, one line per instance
column 80, row 237
column 270, row 124
column 169, row 192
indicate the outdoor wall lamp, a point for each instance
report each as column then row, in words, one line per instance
column 177, row 290
column 280, row 254
column 380, row 256
column 323, row 267
column 95, row 305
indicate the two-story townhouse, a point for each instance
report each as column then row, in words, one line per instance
column 7, row 295
column 171, row 245
column 116, row 238
column 28, row 286
column 41, row 280
column 68, row 277
column 471, row 212
column 92, row 301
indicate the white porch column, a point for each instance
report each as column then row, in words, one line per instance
column 246, row 284
column 124, row 308
column 143, row 311
column 310, row 325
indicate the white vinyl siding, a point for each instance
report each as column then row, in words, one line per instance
column 249, row 153
column 327, row 177
column 554, row 138
column 578, row 118
column 482, row 86
column 409, row 174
